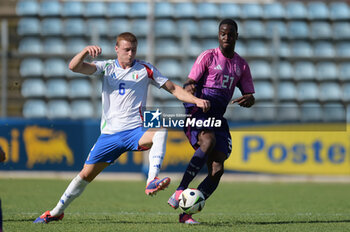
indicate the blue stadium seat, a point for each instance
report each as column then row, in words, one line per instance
column 284, row 49
column 82, row 109
column 304, row 70
column 334, row 112
column 75, row 45
column 301, row 49
column 185, row 10
column 252, row 11
column 298, row 30
column 163, row 9
column 326, row 70
column 344, row 71
column 288, row 111
column 117, row 9
column 287, row 91
column 56, row 88
column 165, row 27
column 167, row 47
column 346, row 92
column 51, row 26
column 33, row 88
column 140, row 27
column 296, row 10
column 318, row 11
column 239, row 114
column 98, row 24
column 307, row 91
column 341, row 30
column 343, row 49
column 34, row 109
column 80, row 88
column 107, row 46
column 311, row 112
column 260, row 69
column 73, row 8
column 330, row 91
column 320, row 30
column 339, row 11
column 74, row 27
column 207, row 9
column 348, row 113
column 187, row 68
column 280, row 26
column 257, row 48
column 170, row 68
column 31, row 67
column 142, row 49
column 240, row 48
column 54, row 46
column 50, row 8
column 188, row 26
column 139, row 9
column 209, row 44
column 324, row 49
column 265, row 112
column 55, row 67
column 254, row 29
column 194, row 48
column 27, row 8
column 285, row 70
column 117, row 26
column 208, row 28
column 58, row 109
column 95, row 9
column 30, row 45
column 274, row 10
column 28, row 26
column 230, row 10
column 264, row 90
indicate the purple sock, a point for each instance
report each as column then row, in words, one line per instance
column 208, row 186
column 198, row 160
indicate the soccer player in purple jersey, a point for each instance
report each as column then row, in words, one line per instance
column 214, row 76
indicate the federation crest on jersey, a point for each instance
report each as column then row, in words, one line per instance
column 135, row 76
column 237, row 70
column 152, row 118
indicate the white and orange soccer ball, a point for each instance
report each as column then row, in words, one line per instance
column 191, row 201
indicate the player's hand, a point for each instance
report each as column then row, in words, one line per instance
column 93, row 50
column 190, row 87
column 203, row 104
column 247, row 100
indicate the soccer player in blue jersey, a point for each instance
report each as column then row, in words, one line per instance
column 124, row 94
column 214, row 76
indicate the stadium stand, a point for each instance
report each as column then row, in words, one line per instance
column 313, row 45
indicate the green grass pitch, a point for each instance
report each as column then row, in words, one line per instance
column 123, row 206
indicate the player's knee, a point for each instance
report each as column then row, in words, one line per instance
column 207, row 142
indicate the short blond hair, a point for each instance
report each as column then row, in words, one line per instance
column 127, row 36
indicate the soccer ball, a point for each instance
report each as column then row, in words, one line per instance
column 191, row 201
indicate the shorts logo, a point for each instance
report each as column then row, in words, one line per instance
column 152, row 118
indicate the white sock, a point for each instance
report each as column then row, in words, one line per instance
column 156, row 154
column 74, row 189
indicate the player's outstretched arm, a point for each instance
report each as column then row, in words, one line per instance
column 185, row 96
column 247, row 100
column 77, row 64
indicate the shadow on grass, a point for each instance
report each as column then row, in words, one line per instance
column 227, row 223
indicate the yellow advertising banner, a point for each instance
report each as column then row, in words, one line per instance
column 291, row 149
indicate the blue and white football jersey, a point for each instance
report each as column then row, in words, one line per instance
column 124, row 93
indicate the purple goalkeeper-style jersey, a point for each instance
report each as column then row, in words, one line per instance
column 217, row 76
